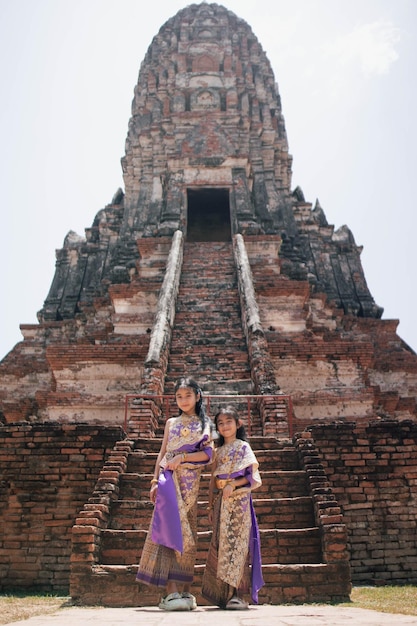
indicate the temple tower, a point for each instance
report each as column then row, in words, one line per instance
column 207, row 154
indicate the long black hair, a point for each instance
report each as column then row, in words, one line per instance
column 186, row 381
column 231, row 411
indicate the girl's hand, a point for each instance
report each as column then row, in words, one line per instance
column 153, row 492
column 174, row 463
column 228, row 490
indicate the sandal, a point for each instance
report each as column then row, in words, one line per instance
column 237, row 604
column 192, row 602
column 174, row 602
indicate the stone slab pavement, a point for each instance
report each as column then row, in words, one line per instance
column 262, row 615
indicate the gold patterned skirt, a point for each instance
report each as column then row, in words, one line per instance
column 159, row 564
column 227, row 565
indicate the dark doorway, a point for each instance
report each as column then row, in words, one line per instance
column 208, row 217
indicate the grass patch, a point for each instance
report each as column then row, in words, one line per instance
column 19, row 606
column 386, row 599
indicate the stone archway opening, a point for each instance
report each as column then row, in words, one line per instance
column 208, row 215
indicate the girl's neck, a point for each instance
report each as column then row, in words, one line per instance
column 230, row 439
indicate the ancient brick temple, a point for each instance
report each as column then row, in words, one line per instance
column 209, row 264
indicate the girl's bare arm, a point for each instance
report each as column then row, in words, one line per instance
column 154, row 481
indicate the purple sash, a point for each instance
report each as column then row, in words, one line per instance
column 166, row 527
column 257, row 580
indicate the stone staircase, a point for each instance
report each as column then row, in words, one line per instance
column 303, row 541
column 303, row 538
column 208, row 342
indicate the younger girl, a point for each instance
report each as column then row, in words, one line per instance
column 235, row 535
column 169, row 552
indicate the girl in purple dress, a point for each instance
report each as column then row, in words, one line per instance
column 169, row 552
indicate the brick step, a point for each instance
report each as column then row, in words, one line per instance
column 208, row 346
column 133, row 515
column 115, row 585
column 216, row 301
column 274, row 446
column 211, row 333
column 291, row 545
column 284, row 513
column 214, row 376
column 229, row 295
column 205, row 321
column 228, row 292
column 216, row 383
column 278, row 513
column 124, row 547
column 209, row 258
column 225, row 297
column 208, row 271
column 145, row 445
column 209, row 262
column 209, row 360
column 207, row 353
column 212, row 301
column 227, row 335
column 255, row 429
column 208, row 366
column 258, row 443
column 207, row 280
column 212, row 355
column 142, row 460
column 280, row 483
column 272, row 453
column 220, row 382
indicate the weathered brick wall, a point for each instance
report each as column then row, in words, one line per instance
column 48, row 471
column 373, row 473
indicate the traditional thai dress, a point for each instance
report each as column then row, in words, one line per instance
column 170, row 547
column 234, row 558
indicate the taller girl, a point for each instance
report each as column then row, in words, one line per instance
column 169, row 553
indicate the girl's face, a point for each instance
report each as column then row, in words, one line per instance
column 186, row 399
column 227, row 426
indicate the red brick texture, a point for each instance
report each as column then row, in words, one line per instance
column 48, row 472
column 373, row 473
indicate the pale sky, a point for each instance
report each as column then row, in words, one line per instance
column 346, row 72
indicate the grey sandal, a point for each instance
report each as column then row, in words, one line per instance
column 174, row 602
column 237, row 604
